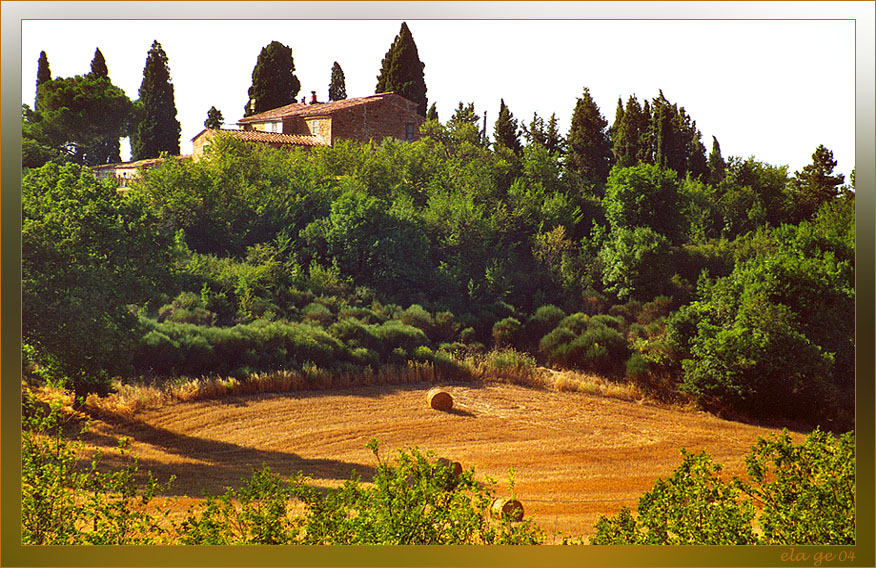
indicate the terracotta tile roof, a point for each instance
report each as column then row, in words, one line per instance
column 275, row 137
column 318, row 109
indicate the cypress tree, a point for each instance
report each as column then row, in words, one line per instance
column 618, row 118
column 589, row 149
column 159, row 129
column 505, row 130
column 98, row 65
column 401, row 70
column 716, row 164
column 674, row 141
column 337, row 85
column 214, row 119
column 553, row 140
column 534, row 133
column 44, row 74
column 628, row 141
column 274, row 83
column 433, row 113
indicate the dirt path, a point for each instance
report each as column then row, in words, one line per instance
column 575, row 456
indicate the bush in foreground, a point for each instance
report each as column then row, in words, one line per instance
column 796, row 495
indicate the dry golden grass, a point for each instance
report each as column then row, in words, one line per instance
column 576, row 455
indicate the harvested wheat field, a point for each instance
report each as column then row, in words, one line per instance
column 575, row 456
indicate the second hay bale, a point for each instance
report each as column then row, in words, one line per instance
column 510, row 509
column 439, row 399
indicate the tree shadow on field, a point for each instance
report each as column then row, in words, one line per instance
column 211, row 465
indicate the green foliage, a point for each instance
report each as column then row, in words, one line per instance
column 806, row 492
column 589, row 148
column 629, row 143
column 793, row 495
column 337, row 86
column 67, row 500
column 674, row 141
column 816, row 184
column 158, row 130
column 644, row 196
column 44, row 74
column 87, row 253
column 214, row 119
column 506, row 332
column 83, row 117
column 274, row 83
column 505, row 131
column 401, row 71
column 693, row 506
column 637, row 263
column 98, row 65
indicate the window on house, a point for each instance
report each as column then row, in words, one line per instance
column 409, row 131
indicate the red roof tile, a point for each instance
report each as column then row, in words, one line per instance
column 318, row 109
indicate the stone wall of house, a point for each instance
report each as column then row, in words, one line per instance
column 376, row 121
column 200, row 143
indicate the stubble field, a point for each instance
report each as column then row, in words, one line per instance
column 575, row 456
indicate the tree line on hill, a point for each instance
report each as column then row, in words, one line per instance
column 618, row 249
column 81, row 119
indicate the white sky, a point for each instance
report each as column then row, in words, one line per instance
column 770, row 89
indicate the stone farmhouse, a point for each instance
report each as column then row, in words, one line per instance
column 305, row 125
column 302, row 125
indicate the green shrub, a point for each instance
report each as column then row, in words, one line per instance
column 68, row 499
column 394, row 334
column 506, row 332
column 796, row 495
column 599, row 350
column 554, row 345
column 545, row 319
column 576, row 323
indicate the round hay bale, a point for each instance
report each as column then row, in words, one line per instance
column 510, row 509
column 454, row 466
column 439, row 399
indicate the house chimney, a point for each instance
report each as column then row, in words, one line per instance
column 313, row 97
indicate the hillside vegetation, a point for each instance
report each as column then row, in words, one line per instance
column 735, row 292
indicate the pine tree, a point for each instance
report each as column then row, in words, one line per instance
column 589, row 149
column 816, row 184
column 214, row 119
column 159, row 129
column 628, row 138
column 44, row 74
column 274, row 83
column 433, row 113
column 337, row 86
column 98, row 65
column 401, row 71
column 505, row 131
column 716, row 164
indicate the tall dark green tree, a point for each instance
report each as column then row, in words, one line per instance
column 401, row 70
column 274, row 83
column 816, row 184
column 214, row 119
column 337, row 86
column 589, row 149
column 433, row 113
column 544, row 134
column 44, row 74
column 98, row 65
column 159, row 129
column 674, row 141
column 716, row 163
column 628, row 144
column 505, row 131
